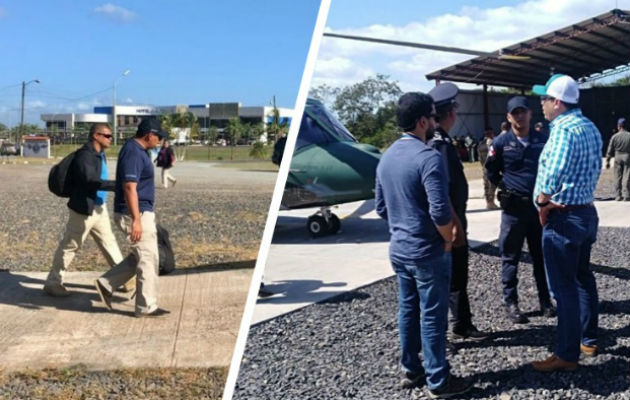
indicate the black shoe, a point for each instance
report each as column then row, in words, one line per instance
column 158, row 312
column 262, row 292
column 471, row 333
column 412, row 379
column 514, row 314
column 547, row 311
column 452, row 387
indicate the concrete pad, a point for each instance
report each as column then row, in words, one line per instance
column 301, row 270
column 39, row 331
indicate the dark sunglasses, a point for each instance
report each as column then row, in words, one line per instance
column 105, row 135
column 546, row 98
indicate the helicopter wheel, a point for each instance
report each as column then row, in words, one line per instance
column 333, row 224
column 317, row 226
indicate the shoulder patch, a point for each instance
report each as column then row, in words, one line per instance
column 491, row 152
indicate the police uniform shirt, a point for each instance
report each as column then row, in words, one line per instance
column 515, row 161
column 457, row 184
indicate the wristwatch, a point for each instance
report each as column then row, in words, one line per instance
column 543, row 204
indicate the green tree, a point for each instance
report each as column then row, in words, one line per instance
column 364, row 98
column 277, row 126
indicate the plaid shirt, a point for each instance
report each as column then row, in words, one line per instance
column 571, row 161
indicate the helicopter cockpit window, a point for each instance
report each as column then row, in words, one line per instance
column 332, row 123
column 312, row 133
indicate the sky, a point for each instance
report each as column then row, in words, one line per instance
column 459, row 23
column 178, row 52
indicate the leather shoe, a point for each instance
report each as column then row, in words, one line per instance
column 412, row 379
column 158, row 312
column 471, row 333
column 554, row 363
column 515, row 315
column 588, row 351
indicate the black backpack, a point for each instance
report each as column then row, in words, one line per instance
column 59, row 180
column 165, row 250
column 161, row 158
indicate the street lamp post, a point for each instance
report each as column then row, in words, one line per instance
column 114, row 119
column 22, row 108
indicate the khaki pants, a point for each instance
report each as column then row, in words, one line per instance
column 77, row 229
column 143, row 261
column 167, row 177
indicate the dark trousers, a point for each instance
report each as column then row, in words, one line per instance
column 517, row 224
column 458, row 298
column 567, row 241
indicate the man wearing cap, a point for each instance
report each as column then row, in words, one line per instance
column 88, row 211
column 568, row 171
column 411, row 193
column 134, row 215
column 619, row 148
column 511, row 165
column 488, row 187
column 444, row 97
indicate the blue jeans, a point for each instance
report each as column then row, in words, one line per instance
column 567, row 241
column 423, row 291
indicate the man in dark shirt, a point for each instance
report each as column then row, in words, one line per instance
column 512, row 165
column 134, row 215
column 444, row 97
column 411, row 194
column 88, row 211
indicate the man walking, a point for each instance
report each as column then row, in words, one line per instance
column 134, row 215
column 411, row 194
column 569, row 168
column 88, row 211
column 619, row 149
column 444, row 97
column 512, row 165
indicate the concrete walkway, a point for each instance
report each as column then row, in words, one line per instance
column 301, row 270
column 39, row 331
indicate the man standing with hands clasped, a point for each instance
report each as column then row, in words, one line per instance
column 133, row 207
column 512, row 165
column 412, row 195
column 569, row 168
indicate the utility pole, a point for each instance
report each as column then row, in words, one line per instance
column 21, row 130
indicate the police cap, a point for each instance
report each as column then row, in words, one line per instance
column 517, row 102
column 444, row 95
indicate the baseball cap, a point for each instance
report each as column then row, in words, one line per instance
column 561, row 87
column 151, row 125
column 621, row 121
column 411, row 106
column 517, row 102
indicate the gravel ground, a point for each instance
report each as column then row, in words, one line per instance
column 347, row 347
column 79, row 383
column 214, row 215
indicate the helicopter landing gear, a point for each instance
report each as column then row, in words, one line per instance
column 322, row 223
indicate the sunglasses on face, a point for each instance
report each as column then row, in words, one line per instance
column 546, row 98
column 106, row 135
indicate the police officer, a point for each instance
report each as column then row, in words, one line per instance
column 445, row 106
column 512, row 165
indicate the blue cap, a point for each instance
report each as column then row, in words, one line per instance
column 517, row 102
column 621, row 121
column 444, row 95
column 151, row 125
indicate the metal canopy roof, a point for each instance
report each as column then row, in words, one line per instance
column 587, row 49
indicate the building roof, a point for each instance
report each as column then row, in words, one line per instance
column 588, row 49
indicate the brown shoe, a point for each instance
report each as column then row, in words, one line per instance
column 588, row 351
column 554, row 363
column 128, row 287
